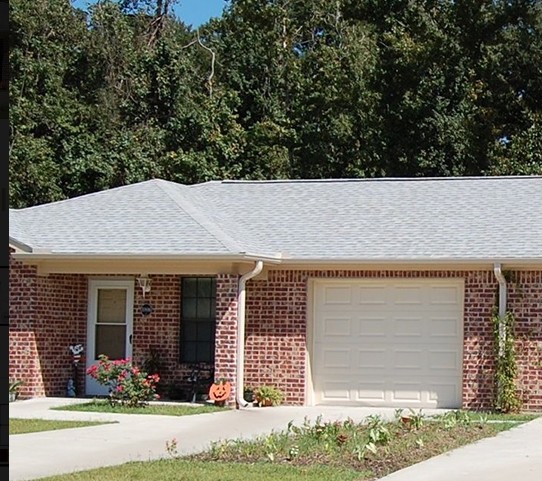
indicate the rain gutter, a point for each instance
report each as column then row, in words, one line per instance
column 241, row 307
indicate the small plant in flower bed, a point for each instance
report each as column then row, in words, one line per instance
column 374, row 447
column 128, row 385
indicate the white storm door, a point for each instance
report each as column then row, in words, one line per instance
column 109, row 326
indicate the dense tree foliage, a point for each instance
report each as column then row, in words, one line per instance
column 272, row 89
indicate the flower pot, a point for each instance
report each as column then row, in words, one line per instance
column 249, row 396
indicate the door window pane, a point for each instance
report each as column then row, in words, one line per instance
column 111, row 341
column 111, row 306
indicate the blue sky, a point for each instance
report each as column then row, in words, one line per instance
column 191, row 12
column 197, row 12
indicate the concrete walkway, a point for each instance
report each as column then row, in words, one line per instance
column 144, row 437
column 512, row 455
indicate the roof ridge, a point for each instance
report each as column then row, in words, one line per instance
column 377, row 179
column 197, row 215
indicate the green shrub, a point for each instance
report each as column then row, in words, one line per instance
column 268, row 396
column 507, row 399
column 128, row 385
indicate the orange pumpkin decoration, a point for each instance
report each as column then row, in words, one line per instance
column 220, row 391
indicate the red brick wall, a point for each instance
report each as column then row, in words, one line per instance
column 226, row 330
column 23, row 354
column 481, row 289
column 160, row 329
column 47, row 314
column 525, row 302
column 276, row 330
column 61, row 322
column 276, row 333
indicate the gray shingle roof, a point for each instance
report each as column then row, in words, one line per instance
column 379, row 219
column 150, row 217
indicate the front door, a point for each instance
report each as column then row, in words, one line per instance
column 109, row 327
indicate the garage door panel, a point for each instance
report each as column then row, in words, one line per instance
column 337, row 295
column 372, row 359
column 388, row 343
column 371, row 295
column 337, row 326
column 412, row 359
column 370, row 392
column 404, row 392
column 409, row 327
column 407, row 295
column 337, row 358
column 336, row 391
column 372, row 327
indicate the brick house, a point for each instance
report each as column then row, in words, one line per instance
column 346, row 292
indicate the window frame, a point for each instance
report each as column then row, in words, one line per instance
column 195, row 345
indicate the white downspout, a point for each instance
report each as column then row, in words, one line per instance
column 502, row 306
column 241, row 303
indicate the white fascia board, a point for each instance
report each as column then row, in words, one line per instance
column 409, row 261
column 48, row 256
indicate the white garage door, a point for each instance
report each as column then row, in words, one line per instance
column 388, row 343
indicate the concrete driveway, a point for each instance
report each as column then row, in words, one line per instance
column 144, row 437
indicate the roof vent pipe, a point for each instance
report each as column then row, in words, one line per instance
column 502, row 306
column 241, row 303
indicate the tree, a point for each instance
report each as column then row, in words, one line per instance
column 48, row 124
column 273, row 89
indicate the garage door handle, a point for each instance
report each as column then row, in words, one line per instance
column 130, row 339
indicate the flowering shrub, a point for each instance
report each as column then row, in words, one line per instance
column 127, row 384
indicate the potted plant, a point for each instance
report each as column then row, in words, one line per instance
column 14, row 387
column 268, row 396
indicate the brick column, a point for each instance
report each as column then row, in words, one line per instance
column 226, row 330
column 24, row 362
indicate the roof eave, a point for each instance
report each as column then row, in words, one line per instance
column 234, row 257
column 19, row 246
column 413, row 261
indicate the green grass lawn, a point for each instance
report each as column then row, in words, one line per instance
column 508, row 417
column 183, row 470
column 317, row 451
column 104, row 406
column 24, row 426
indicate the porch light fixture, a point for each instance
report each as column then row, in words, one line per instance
column 145, row 284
